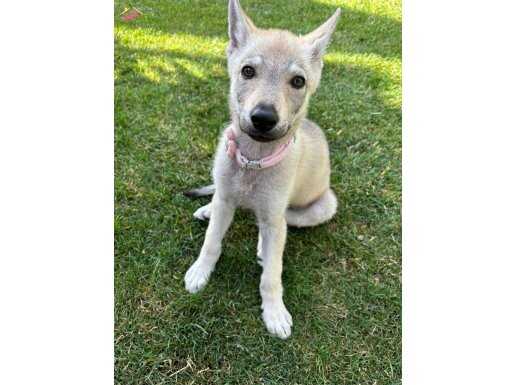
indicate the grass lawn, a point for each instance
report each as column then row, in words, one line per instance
column 342, row 280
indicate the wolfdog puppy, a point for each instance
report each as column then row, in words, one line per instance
column 271, row 159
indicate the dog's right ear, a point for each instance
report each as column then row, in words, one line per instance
column 240, row 27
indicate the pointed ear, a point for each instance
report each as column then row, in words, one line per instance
column 240, row 26
column 318, row 40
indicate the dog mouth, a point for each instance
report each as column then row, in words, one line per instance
column 265, row 137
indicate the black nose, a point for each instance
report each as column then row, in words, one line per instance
column 264, row 117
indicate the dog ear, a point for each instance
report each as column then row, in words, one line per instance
column 240, row 26
column 318, row 40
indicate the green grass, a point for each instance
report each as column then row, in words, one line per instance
column 342, row 279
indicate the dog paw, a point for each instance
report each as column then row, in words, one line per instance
column 277, row 319
column 196, row 277
column 203, row 213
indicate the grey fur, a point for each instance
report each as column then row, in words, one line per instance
column 295, row 191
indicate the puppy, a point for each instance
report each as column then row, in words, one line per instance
column 271, row 159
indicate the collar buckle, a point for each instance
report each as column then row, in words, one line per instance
column 252, row 164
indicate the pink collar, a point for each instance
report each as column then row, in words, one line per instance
column 234, row 152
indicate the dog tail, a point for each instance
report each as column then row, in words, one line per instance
column 318, row 212
column 200, row 192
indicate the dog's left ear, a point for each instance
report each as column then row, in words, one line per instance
column 318, row 40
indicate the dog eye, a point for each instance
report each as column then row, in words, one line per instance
column 248, row 72
column 298, row 82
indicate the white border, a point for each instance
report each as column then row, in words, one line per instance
column 56, row 195
column 458, row 192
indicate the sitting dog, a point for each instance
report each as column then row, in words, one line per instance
column 271, row 159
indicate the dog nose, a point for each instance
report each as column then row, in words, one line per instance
column 264, row 117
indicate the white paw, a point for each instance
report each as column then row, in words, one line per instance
column 203, row 213
column 197, row 276
column 277, row 319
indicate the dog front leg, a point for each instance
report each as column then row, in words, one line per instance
column 277, row 319
column 222, row 213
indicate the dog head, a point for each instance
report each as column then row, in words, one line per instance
column 273, row 73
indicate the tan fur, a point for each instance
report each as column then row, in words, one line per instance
column 295, row 191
